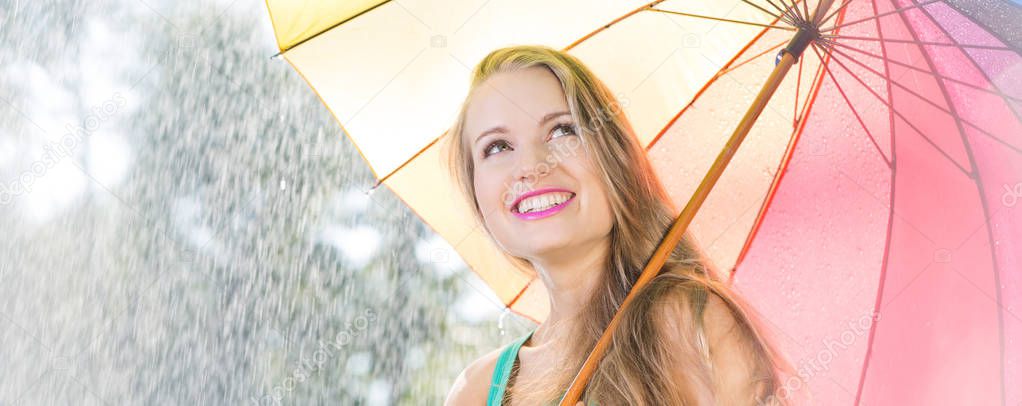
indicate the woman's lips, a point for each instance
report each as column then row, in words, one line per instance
column 537, row 192
column 533, row 215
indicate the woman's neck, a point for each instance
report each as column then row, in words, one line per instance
column 571, row 280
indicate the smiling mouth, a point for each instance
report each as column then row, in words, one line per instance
column 542, row 203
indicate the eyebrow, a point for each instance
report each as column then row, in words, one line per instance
column 503, row 130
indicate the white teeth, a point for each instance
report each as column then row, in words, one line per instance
column 542, row 202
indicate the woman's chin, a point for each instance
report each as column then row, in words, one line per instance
column 549, row 246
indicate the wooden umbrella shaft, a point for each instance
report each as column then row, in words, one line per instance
column 677, row 230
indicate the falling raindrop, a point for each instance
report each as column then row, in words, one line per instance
column 500, row 321
column 269, row 294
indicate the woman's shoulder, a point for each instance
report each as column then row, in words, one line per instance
column 705, row 322
column 472, row 385
column 699, row 317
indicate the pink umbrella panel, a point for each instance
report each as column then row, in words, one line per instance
column 886, row 255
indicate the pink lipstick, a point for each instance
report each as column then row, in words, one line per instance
column 542, row 213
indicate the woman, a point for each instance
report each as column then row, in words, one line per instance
column 557, row 178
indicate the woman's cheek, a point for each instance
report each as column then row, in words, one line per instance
column 490, row 198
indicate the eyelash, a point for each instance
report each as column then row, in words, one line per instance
column 558, row 126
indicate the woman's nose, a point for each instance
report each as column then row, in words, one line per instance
column 532, row 163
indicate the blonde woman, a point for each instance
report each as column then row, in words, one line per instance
column 560, row 183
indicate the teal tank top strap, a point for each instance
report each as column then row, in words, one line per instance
column 502, row 371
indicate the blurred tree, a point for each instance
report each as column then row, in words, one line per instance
column 222, row 268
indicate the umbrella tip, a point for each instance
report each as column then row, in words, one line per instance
column 373, row 188
column 275, row 56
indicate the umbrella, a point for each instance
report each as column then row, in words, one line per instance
column 414, row 57
column 870, row 213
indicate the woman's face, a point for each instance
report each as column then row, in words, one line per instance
column 539, row 192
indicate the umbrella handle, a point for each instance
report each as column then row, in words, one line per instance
column 677, row 230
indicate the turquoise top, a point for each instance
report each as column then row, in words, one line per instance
column 502, row 372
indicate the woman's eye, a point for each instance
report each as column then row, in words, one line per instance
column 567, row 127
column 490, row 149
column 486, row 151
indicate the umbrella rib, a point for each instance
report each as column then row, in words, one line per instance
column 751, row 58
column 852, row 108
column 786, row 12
column 703, row 89
column 520, row 292
column 978, row 180
column 903, row 118
column 814, row 90
column 978, row 129
column 817, row 78
column 649, row 5
column 790, row 9
column 834, row 13
column 877, row 16
column 805, row 13
column 934, row 74
column 1014, row 45
column 994, row 91
column 338, row 24
column 775, row 184
column 727, row 20
column 882, row 280
column 798, row 88
column 801, row 112
column 794, row 8
column 928, row 101
column 761, row 9
column 905, row 41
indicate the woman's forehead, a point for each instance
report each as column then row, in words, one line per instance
column 514, row 98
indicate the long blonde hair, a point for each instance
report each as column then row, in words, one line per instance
column 641, row 365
